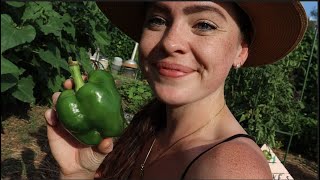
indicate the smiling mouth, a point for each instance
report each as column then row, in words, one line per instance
column 173, row 70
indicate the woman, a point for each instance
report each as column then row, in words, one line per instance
column 186, row 50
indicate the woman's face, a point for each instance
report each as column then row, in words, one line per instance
column 188, row 48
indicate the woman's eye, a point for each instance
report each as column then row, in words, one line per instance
column 156, row 21
column 205, row 26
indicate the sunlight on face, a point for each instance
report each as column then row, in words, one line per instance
column 187, row 49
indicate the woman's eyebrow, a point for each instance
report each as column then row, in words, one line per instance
column 201, row 8
column 189, row 10
column 160, row 7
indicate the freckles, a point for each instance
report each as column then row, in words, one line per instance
column 229, row 44
column 230, row 49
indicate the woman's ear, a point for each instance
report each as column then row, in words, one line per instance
column 242, row 55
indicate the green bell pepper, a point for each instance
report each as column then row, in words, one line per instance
column 93, row 111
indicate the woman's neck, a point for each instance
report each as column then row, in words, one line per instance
column 184, row 119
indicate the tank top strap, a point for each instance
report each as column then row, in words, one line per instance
column 226, row 140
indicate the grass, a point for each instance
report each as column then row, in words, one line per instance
column 25, row 152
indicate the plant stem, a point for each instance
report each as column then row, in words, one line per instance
column 75, row 73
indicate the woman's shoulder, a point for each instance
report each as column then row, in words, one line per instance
column 238, row 158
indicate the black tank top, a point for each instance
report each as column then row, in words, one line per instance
column 226, row 140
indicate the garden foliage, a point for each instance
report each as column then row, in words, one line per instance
column 279, row 97
column 37, row 37
column 135, row 93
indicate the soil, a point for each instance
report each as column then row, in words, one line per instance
column 25, row 153
column 298, row 166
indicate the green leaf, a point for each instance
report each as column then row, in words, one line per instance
column 8, row 67
column 130, row 94
column 102, row 38
column 137, row 97
column 49, row 57
column 68, row 26
column 52, row 56
column 147, row 94
column 15, row 3
column 24, row 91
column 30, row 13
column 12, row 36
column 68, row 46
column 301, row 104
column 54, row 84
column 140, row 89
column 54, row 25
column 84, row 59
column 92, row 24
column 243, row 118
column 8, row 81
column 35, row 10
column 64, row 64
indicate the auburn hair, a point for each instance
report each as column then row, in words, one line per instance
column 144, row 125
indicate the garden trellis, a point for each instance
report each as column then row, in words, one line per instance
column 292, row 133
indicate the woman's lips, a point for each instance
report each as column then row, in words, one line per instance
column 173, row 70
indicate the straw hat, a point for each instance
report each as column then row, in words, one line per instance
column 278, row 26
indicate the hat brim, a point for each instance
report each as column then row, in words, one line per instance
column 278, row 26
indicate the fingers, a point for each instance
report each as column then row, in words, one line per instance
column 68, row 84
column 84, row 77
column 54, row 130
column 92, row 157
column 51, row 117
column 106, row 146
column 55, row 98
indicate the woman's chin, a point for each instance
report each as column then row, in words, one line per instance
column 172, row 102
column 173, row 98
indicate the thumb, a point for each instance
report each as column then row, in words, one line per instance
column 92, row 157
column 105, row 146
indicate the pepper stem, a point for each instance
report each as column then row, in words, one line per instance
column 75, row 73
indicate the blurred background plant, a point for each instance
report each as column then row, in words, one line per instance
column 37, row 37
column 273, row 101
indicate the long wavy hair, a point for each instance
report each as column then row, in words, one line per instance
column 144, row 125
column 147, row 122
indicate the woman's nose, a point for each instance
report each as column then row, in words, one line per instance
column 174, row 40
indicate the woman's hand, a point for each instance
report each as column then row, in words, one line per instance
column 75, row 159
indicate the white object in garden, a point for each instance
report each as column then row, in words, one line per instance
column 134, row 51
column 130, row 66
column 131, row 63
column 116, row 65
column 104, row 62
column 96, row 55
column 279, row 172
column 89, row 53
column 117, row 61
